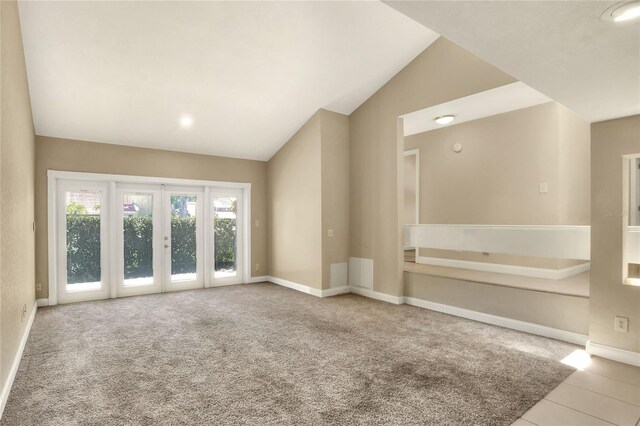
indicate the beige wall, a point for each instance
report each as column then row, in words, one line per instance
column 610, row 140
column 335, row 191
column 558, row 311
column 295, row 207
column 17, row 283
column 441, row 73
column 81, row 156
column 575, row 169
column 495, row 179
column 308, row 195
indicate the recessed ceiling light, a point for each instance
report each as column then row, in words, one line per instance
column 186, row 121
column 621, row 12
column 444, row 119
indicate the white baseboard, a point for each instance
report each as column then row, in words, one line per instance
column 306, row 289
column 525, row 271
column 614, row 354
column 527, row 327
column 335, row 291
column 396, row 300
column 6, row 389
column 261, row 279
column 295, row 286
column 42, row 302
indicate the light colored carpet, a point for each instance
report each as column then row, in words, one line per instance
column 262, row 354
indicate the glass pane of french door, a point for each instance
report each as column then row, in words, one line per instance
column 83, row 239
column 225, row 236
column 183, row 238
column 137, row 229
column 138, row 233
column 184, row 245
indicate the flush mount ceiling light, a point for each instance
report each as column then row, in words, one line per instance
column 444, row 119
column 186, row 121
column 622, row 12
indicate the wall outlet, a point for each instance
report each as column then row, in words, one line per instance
column 544, row 188
column 621, row 324
column 330, row 233
column 38, row 286
column 257, row 223
column 257, row 266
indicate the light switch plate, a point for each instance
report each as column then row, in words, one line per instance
column 330, row 233
column 621, row 324
column 544, row 188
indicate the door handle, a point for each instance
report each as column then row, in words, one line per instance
column 166, row 246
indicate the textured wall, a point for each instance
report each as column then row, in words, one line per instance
column 80, row 156
column 17, row 283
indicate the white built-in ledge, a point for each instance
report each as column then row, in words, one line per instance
column 576, row 285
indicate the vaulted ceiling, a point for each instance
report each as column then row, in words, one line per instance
column 248, row 74
column 560, row 48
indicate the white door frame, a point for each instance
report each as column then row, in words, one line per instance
column 110, row 181
column 240, row 230
column 167, row 192
column 59, row 265
column 409, row 153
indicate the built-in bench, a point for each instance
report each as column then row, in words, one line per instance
column 576, row 285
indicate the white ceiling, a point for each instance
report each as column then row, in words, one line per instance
column 249, row 73
column 561, row 48
column 502, row 99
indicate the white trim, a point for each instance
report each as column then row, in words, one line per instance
column 305, row 288
column 6, row 389
column 296, row 286
column 525, row 271
column 614, row 354
column 396, row 300
column 52, row 195
column 246, row 244
column 416, row 152
column 335, row 291
column 527, row 327
column 42, row 302
column 113, row 237
column 260, row 279
column 143, row 179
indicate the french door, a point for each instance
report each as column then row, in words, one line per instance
column 126, row 239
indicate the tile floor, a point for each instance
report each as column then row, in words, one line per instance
column 604, row 393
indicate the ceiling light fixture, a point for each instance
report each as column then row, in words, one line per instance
column 621, row 12
column 186, row 121
column 444, row 119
